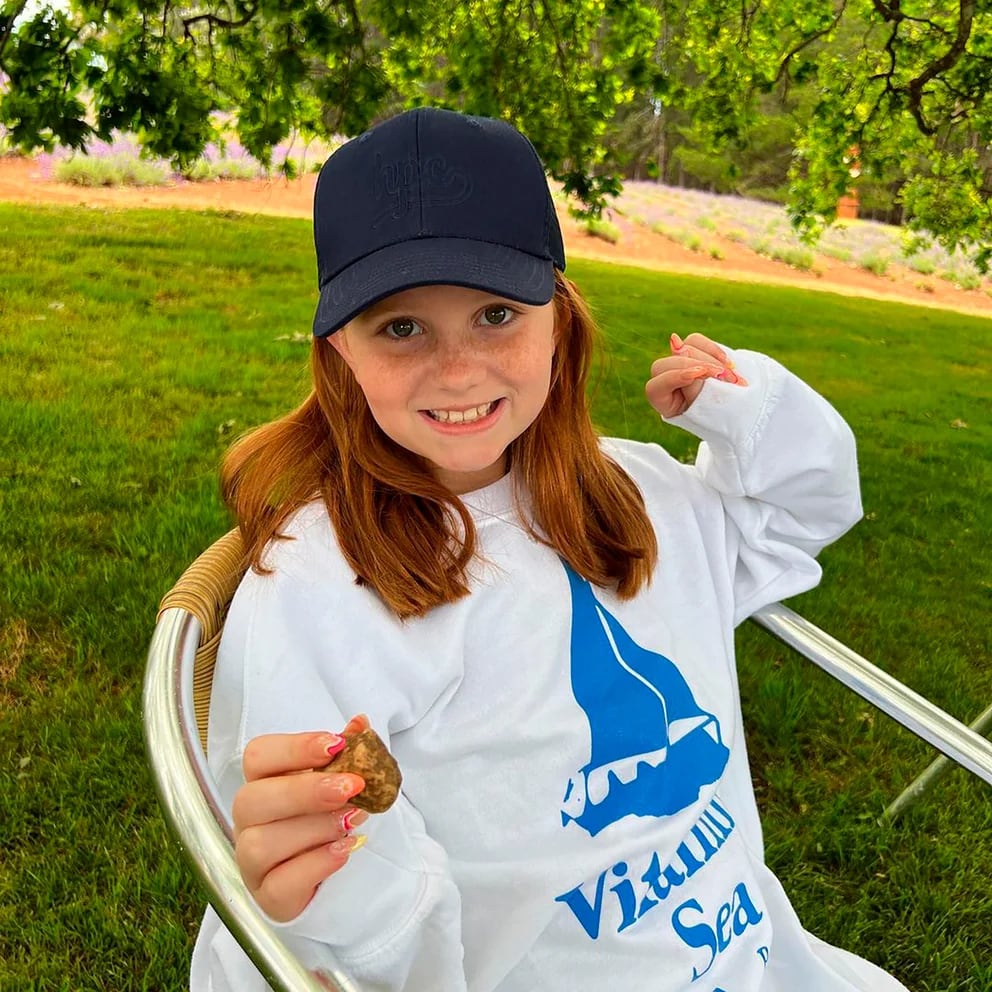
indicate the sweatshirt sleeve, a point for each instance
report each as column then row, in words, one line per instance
column 392, row 915
column 784, row 463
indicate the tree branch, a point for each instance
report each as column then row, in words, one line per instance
column 806, row 42
column 913, row 91
column 561, row 57
column 7, row 25
column 220, row 22
column 966, row 14
column 889, row 11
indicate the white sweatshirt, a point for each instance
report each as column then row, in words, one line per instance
column 577, row 810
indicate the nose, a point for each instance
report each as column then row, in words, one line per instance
column 459, row 366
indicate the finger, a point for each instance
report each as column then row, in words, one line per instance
column 699, row 346
column 286, row 796
column 669, row 362
column 259, row 849
column 675, row 389
column 278, row 754
column 286, row 890
column 699, row 356
column 671, row 392
column 672, row 379
column 723, row 372
column 357, row 724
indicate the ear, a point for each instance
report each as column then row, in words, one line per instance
column 339, row 342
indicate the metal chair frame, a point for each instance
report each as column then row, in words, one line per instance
column 196, row 815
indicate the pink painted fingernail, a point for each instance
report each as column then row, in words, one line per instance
column 701, row 371
column 353, row 818
column 333, row 744
column 729, row 375
column 676, row 342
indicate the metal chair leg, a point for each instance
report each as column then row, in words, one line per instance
column 936, row 768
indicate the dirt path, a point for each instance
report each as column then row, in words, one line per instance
column 22, row 180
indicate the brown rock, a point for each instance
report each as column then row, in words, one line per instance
column 364, row 754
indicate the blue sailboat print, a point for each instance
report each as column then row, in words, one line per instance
column 652, row 747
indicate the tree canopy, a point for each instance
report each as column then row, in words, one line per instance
column 893, row 88
column 902, row 88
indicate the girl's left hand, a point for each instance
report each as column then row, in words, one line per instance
column 676, row 379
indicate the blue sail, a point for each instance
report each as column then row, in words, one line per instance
column 652, row 747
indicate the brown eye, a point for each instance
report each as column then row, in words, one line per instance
column 405, row 327
column 496, row 315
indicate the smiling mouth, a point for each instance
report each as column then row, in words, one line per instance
column 462, row 416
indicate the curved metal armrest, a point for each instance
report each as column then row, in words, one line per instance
column 938, row 728
column 193, row 811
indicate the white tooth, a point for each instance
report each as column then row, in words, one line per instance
column 461, row 416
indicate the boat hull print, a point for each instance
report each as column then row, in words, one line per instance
column 652, row 748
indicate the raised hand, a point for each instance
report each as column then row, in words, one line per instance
column 676, row 379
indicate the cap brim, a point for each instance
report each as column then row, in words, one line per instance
column 491, row 268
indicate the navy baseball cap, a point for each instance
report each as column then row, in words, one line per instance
column 433, row 197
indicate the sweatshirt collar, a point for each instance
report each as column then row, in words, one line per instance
column 491, row 500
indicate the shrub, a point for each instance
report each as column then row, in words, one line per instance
column 599, row 228
column 667, row 232
column 921, row 263
column 203, row 170
column 798, row 258
column 114, row 170
column 841, row 254
column 875, row 263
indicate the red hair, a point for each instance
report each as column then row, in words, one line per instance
column 406, row 535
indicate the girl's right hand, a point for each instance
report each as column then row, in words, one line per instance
column 292, row 824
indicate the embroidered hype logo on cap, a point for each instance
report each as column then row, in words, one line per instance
column 395, row 185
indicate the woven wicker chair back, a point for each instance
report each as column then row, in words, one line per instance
column 205, row 589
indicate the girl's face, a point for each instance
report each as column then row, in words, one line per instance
column 452, row 374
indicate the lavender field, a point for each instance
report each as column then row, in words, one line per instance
column 121, row 163
column 699, row 221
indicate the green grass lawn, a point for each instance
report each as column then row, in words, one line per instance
column 134, row 346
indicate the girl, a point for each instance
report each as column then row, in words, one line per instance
column 539, row 622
